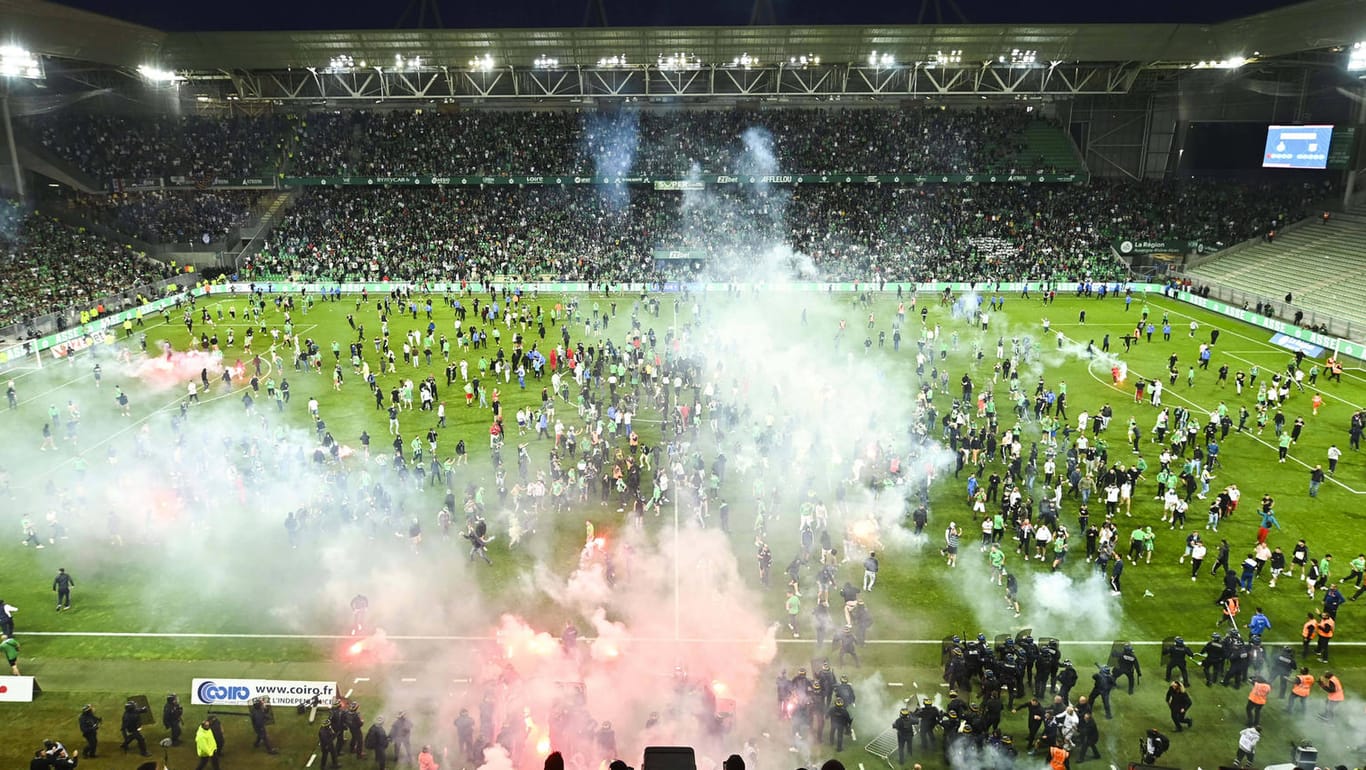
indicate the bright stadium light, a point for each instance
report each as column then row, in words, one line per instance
column 158, row 75
column 482, row 63
column 342, row 63
column 807, row 59
column 1356, row 59
column 876, row 59
column 744, row 61
column 673, row 62
column 546, row 63
column 612, row 61
column 1019, row 58
column 16, row 62
column 401, row 64
column 942, row 59
column 1231, row 63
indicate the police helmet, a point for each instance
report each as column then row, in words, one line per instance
column 1010, row 642
column 87, row 707
column 801, row 671
column 816, row 685
column 379, row 720
column 1256, row 638
column 839, row 701
column 355, row 706
column 925, row 701
column 844, row 679
column 826, row 665
column 49, row 744
column 327, row 723
column 957, row 639
column 1053, row 643
column 1128, row 648
column 129, row 705
column 1178, row 640
column 1214, row 636
column 1067, row 663
column 1029, row 640
column 981, row 637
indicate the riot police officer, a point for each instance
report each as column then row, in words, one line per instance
column 327, row 745
column 131, row 725
column 1067, row 679
column 173, row 717
column 840, row 723
column 1283, row 668
column 928, row 714
column 1212, row 658
column 826, row 677
column 260, row 717
column 1046, row 668
column 1177, row 654
column 1128, row 666
column 90, row 729
column 904, row 725
column 845, row 692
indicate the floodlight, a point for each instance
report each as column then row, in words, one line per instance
column 675, row 61
column 1231, row 63
column 952, row 57
column 482, row 63
column 342, row 63
column 744, row 61
column 804, row 60
column 545, row 63
column 401, row 64
column 612, row 61
column 158, row 75
column 876, row 59
column 1356, row 59
column 16, row 62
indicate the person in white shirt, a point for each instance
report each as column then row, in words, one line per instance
column 1247, row 746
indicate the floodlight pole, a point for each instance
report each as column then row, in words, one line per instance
column 9, row 140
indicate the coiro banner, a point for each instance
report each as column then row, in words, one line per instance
column 241, row 692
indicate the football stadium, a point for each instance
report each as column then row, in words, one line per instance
column 773, row 385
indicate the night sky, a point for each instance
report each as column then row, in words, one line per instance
column 179, row 15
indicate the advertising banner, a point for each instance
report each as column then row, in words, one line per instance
column 16, row 689
column 695, row 183
column 241, row 692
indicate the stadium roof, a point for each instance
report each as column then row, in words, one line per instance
column 59, row 31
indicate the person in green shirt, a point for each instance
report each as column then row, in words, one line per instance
column 1283, row 446
column 998, row 562
column 10, row 646
column 794, row 608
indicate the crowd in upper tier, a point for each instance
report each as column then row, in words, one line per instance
column 622, row 143
column 117, row 149
column 932, row 232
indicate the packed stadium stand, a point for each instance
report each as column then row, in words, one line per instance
column 50, row 266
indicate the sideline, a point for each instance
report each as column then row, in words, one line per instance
column 443, row 638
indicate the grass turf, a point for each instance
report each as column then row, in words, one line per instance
column 917, row 598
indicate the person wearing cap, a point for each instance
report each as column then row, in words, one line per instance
column 905, row 734
column 399, row 735
column 205, row 746
column 378, row 742
column 327, row 745
column 1247, row 746
column 89, row 724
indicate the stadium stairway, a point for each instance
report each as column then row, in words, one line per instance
column 1310, row 261
column 254, row 234
column 1048, row 147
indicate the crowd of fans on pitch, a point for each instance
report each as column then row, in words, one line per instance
column 838, row 232
column 49, row 266
column 170, row 216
